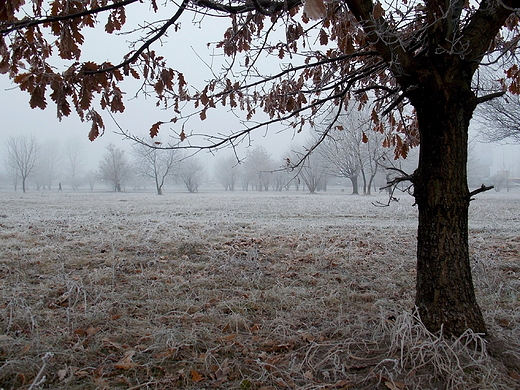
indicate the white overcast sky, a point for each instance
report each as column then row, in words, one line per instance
column 182, row 50
column 185, row 50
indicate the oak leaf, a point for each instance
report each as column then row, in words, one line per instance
column 182, row 135
column 315, row 9
column 324, row 38
column 126, row 362
column 154, row 130
column 378, row 10
column 196, row 376
column 38, row 97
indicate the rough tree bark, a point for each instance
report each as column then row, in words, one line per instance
column 445, row 294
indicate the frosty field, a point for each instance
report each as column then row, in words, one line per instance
column 242, row 290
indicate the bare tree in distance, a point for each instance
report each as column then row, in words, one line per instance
column 114, row 167
column 22, row 155
column 313, row 169
column 374, row 157
column 75, row 160
column 279, row 179
column 342, row 147
column 50, row 163
column 191, row 172
column 227, row 172
column 156, row 164
column 422, row 55
column 353, row 149
column 340, row 150
column 258, row 166
column 500, row 119
column 92, row 177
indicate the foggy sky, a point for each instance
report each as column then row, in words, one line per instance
column 187, row 52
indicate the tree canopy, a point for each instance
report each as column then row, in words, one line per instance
column 356, row 50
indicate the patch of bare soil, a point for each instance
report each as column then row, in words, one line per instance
column 241, row 291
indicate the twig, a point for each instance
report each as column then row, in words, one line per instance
column 26, row 23
column 482, row 188
column 392, row 185
column 40, row 378
column 491, row 96
column 162, row 31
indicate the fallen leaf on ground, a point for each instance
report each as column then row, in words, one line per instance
column 514, row 375
column 394, row 385
column 195, row 376
column 126, row 362
column 62, row 374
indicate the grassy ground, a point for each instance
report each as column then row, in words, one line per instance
column 241, row 291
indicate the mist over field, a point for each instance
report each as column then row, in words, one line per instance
column 245, row 290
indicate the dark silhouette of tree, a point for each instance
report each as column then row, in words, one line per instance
column 416, row 60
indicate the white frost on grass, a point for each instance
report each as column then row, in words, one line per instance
column 239, row 290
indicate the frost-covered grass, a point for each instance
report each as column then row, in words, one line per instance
column 241, row 291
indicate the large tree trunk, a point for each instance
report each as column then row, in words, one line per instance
column 445, row 294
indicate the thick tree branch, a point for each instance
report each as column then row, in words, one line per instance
column 382, row 36
column 147, row 43
column 22, row 24
column 483, row 27
column 491, row 96
column 482, row 188
column 265, row 7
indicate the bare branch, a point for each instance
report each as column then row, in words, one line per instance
column 491, row 96
column 147, row 43
column 392, row 186
column 265, row 7
column 482, row 188
column 22, row 24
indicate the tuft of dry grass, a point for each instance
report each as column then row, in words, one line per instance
column 241, row 291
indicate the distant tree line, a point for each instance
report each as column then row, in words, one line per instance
column 351, row 151
column 46, row 166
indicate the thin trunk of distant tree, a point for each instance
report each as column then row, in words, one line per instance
column 114, row 167
column 354, row 181
column 74, row 157
column 12, row 174
column 22, row 153
column 156, row 164
column 191, row 172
